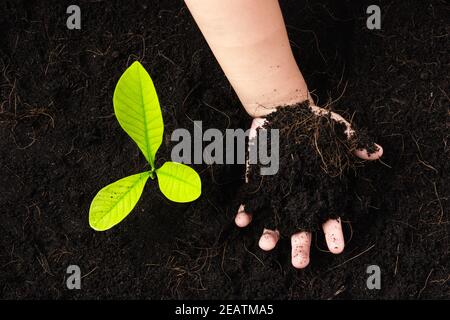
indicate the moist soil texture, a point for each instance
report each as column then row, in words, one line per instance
column 309, row 184
column 60, row 143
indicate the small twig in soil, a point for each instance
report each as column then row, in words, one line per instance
column 441, row 281
column 384, row 163
column 404, row 223
column 259, row 186
column 223, row 260
column 352, row 258
column 43, row 262
column 245, row 247
column 396, row 261
column 440, row 203
column 338, row 292
column 188, row 95
column 315, row 38
column 221, row 112
column 12, row 172
column 89, row 272
column 425, row 285
column 339, row 98
column 429, row 166
column 168, row 59
column 33, row 140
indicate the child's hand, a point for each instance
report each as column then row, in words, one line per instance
column 301, row 241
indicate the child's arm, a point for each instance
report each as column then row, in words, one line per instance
column 250, row 42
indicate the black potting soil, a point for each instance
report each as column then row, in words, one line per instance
column 60, row 143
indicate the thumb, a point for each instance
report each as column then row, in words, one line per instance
column 373, row 151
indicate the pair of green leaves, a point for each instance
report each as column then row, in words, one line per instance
column 138, row 111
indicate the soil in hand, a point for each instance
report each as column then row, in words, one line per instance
column 311, row 185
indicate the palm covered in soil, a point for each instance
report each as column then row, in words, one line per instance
column 268, row 196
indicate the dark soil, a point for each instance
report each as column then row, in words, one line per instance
column 311, row 185
column 60, row 143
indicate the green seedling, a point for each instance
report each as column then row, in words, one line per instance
column 137, row 109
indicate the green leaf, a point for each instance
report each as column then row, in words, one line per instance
column 179, row 182
column 115, row 201
column 137, row 109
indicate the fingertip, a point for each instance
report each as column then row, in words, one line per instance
column 268, row 240
column 334, row 235
column 365, row 155
column 379, row 153
column 337, row 248
column 300, row 261
column 301, row 243
column 243, row 219
column 267, row 243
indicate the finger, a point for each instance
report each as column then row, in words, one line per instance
column 333, row 235
column 269, row 239
column 301, row 244
column 242, row 218
column 365, row 155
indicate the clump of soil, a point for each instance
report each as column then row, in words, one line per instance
column 311, row 186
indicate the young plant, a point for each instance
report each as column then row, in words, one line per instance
column 138, row 111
